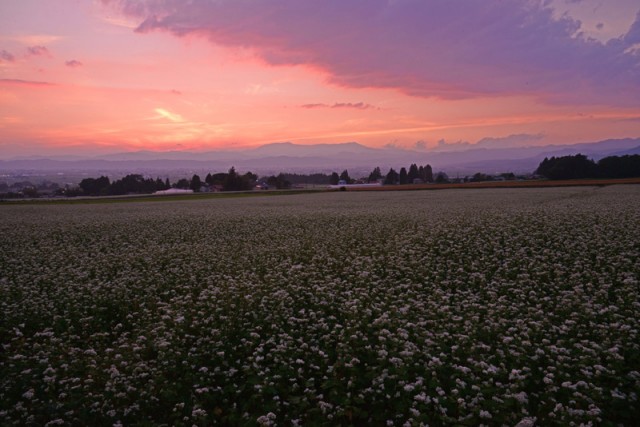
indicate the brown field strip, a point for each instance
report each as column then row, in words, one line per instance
column 501, row 184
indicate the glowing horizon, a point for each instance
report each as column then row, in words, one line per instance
column 117, row 75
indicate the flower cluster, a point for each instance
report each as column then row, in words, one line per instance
column 466, row 307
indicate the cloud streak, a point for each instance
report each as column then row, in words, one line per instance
column 6, row 56
column 73, row 63
column 38, row 51
column 426, row 48
column 162, row 113
column 348, row 105
column 31, row 83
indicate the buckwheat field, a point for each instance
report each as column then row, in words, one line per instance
column 453, row 307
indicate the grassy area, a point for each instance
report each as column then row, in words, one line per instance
column 503, row 184
column 135, row 198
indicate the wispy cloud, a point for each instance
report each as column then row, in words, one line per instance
column 352, row 105
column 19, row 82
column 176, row 118
column 426, row 48
column 38, row 51
column 260, row 89
column 73, row 63
column 37, row 39
column 6, row 56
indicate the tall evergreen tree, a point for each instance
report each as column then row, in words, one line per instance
column 413, row 173
column 344, row 176
column 428, row 174
column 404, row 177
column 391, row 178
column 334, row 179
column 196, row 183
column 375, row 175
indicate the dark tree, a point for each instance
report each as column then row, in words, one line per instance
column 428, row 174
column 568, row 167
column 250, row 177
column 183, row 184
column 218, row 178
column 160, row 185
column 441, row 178
column 509, row 176
column 280, row 182
column 375, row 175
column 334, row 179
column 133, row 184
column 392, row 177
column 627, row 166
column 404, row 178
column 413, row 173
column 478, row 177
column 344, row 176
column 235, row 182
column 195, row 183
column 231, row 181
column 95, row 186
column 30, row 192
column 208, row 179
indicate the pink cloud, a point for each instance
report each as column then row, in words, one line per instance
column 73, row 63
column 6, row 56
column 38, row 51
column 356, row 105
column 20, row 82
column 426, row 48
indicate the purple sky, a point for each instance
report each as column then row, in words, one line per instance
column 169, row 74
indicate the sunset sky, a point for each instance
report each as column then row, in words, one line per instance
column 94, row 77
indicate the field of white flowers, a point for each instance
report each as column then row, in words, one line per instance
column 453, row 307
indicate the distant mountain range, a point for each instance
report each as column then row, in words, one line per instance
column 290, row 157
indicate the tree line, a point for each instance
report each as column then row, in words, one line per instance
column 414, row 174
column 234, row 181
column 138, row 184
column 579, row 166
column 224, row 181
